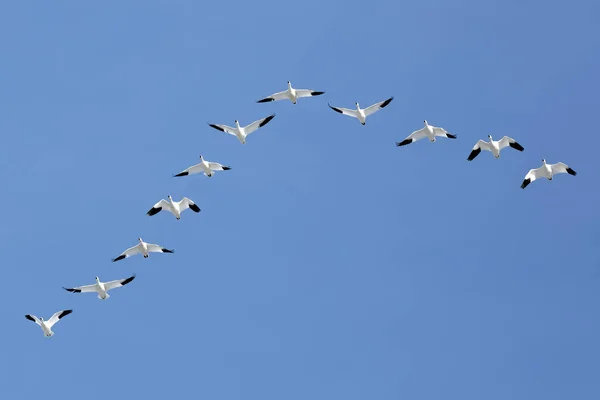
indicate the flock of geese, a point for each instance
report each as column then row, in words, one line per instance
column 208, row 168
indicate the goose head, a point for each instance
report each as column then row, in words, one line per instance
column 237, row 123
column 169, row 197
column 97, row 279
column 201, row 158
column 289, row 84
column 140, row 240
column 543, row 161
column 425, row 122
column 357, row 105
column 490, row 137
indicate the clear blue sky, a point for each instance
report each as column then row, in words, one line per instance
column 328, row 263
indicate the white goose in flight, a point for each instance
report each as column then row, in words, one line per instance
column 290, row 94
column 101, row 288
column 428, row 131
column 47, row 325
column 241, row 132
column 494, row 146
column 547, row 171
column 207, row 167
column 362, row 114
column 174, row 207
column 143, row 248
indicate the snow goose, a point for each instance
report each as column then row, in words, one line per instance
column 546, row 171
column 428, row 131
column 290, row 94
column 174, row 207
column 241, row 132
column 143, row 248
column 494, row 146
column 362, row 114
column 47, row 325
column 207, row 167
column 101, row 288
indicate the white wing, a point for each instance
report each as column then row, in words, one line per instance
column 377, row 106
column 345, row 111
column 161, row 205
column 154, row 248
column 413, row 137
column 57, row 315
column 186, row 203
column 194, row 169
column 34, row 319
column 507, row 141
column 224, row 128
column 118, row 283
column 275, row 97
column 480, row 145
column 307, row 93
column 257, row 124
column 215, row 166
column 82, row 289
column 562, row 168
column 129, row 252
column 532, row 175
column 437, row 131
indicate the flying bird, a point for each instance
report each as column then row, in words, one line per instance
column 47, row 325
column 207, row 167
column 241, row 132
column 494, row 146
column 143, row 248
column 101, row 288
column 428, row 131
column 362, row 114
column 547, row 171
column 174, row 207
column 290, row 94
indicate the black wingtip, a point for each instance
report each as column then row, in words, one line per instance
column 154, row 211
column 404, row 142
column 167, row 250
column 473, row 154
column 65, row 313
column 126, row 281
column 385, row 103
column 118, row 258
column 267, row 100
column 571, row 171
column 72, row 290
column 181, row 174
column 266, row 121
column 29, row 317
column 334, row 109
column 226, row 168
column 317, row 93
column 516, row 146
column 216, row 127
column 450, row 136
column 525, row 183
column 194, row 207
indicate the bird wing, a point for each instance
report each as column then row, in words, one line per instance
column 224, row 128
column 480, row 145
column 118, row 283
column 257, row 124
column 437, row 131
column 82, row 289
column 215, row 166
column 154, row 248
column 413, row 137
column 194, row 169
column 307, row 93
column 33, row 318
column 345, row 111
column 532, row 175
column 562, row 168
column 377, row 106
column 163, row 204
column 186, row 203
column 508, row 141
column 128, row 253
column 57, row 315
column 275, row 97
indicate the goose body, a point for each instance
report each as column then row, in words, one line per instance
column 494, row 146
column 174, row 207
column 290, row 94
column 546, row 171
column 47, row 325
column 101, row 288
column 428, row 131
column 241, row 132
column 142, row 248
column 362, row 114
column 206, row 167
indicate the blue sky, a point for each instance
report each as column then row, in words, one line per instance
column 328, row 263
